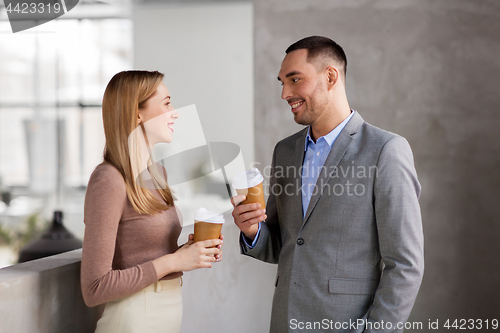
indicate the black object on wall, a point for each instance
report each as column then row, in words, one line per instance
column 54, row 241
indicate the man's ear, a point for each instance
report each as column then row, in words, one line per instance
column 332, row 76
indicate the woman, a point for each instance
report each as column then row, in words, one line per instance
column 130, row 258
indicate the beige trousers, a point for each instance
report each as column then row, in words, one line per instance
column 157, row 308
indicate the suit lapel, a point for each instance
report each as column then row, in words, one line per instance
column 336, row 154
column 299, row 159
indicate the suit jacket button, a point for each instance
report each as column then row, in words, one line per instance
column 300, row 241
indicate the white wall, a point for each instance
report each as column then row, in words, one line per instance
column 206, row 53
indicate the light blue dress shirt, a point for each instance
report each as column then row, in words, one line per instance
column 314, row 160
column 315, row 157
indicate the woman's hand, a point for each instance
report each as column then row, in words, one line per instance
column 190, row 256
column 197, row 255
column 218, row 257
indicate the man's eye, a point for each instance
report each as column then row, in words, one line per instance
column 294, row 80
column 281, row 83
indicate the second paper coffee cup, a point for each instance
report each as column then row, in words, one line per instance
column 207, row 225
column 249, row 183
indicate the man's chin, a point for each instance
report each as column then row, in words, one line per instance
column 300, row 120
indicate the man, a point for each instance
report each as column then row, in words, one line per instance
column 343, row 221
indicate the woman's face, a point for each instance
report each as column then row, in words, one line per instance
column 158, row 116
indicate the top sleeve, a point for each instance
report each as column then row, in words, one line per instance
column 105, row 200
column 399, row 226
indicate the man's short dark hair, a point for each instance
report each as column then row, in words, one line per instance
column 318, row 45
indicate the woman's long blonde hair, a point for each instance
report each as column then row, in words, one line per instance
column 126, row 93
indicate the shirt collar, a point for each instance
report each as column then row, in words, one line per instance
column 330, row 137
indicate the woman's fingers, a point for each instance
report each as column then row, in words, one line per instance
column 212, row 251
column 208, row 251
column 218, row 257
column 221, row 237
column 209, row 243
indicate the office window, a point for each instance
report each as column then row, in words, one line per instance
column 52, row 79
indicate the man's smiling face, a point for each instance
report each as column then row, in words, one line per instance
column 303, row 87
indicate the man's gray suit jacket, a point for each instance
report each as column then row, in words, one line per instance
column 357, row 256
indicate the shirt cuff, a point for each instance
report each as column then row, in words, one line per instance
column 247, row 240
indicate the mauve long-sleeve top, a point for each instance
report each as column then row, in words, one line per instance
column 119, row 243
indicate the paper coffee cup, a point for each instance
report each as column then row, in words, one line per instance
column 249, row 183
column 207, row 225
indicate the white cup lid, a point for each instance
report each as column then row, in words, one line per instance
column 205, row 215
column 247, row 179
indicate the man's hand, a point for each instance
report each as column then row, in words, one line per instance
column 247, row 216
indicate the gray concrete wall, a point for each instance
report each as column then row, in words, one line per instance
column 430, row 71
column 44, row 296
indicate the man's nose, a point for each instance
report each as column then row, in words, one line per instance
column 285, row 92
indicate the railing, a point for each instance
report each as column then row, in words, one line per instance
column 44, row 296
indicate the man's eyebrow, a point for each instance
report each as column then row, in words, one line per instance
column 292, row 73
